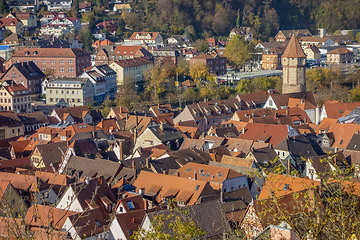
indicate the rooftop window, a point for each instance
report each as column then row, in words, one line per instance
column 188, row 170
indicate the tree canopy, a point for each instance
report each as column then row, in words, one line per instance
column 238, row 51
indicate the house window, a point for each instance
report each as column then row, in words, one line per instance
column 61, row 61
column 70, row 61
column 52, row 61
column 43, row 61
column 71, row 69
column 62, row 70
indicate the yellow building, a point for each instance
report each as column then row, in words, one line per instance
column 312, row 52
column 12, row 24
column 131, row 69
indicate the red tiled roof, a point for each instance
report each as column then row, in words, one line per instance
column 255, row 131
column 336, row 109
column 293, row 49
column 343, row 133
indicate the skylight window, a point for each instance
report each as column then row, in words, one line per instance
column 286, row 187
column 97, row 223
column 207, row 175
column 341, row 142
column 84, row 126
column 197, row 187
column 130, row 205
column 188, row 170
column 80, row 126
column 202, row 174
column 220, row 174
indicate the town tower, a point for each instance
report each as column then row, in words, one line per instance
column 294, row 63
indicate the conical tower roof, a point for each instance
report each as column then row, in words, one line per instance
column 293, row 49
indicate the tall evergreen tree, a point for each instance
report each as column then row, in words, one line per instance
column 238, row 20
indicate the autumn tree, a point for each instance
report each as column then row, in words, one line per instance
column 157, row 78
column 327, row 208
column 175, row 225
column 49, row 72
column 355, row 94
column 238, row 51
column 357, row 38
column 75, row 8
column 244, row 86
column 127, row 95
column 199, row 71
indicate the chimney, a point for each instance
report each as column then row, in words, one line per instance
column 121, row 152
column 357, row 132
column 164, row 172
column 161, row 126
column 287, row 111
column 147, row 163
column 276, row 115
column 195, row 175
column 305, row 120
column 294, row 138
column 221, row 195
column 243, row 130
column 288, row 167
column 133, row 164
column 336, row 150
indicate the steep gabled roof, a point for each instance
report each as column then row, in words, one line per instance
column 257, row 132
column 207, row 173
column 208, row 216
column 340, row 51
column 278, row 185
column 44, row 216
column 182, row 189
column 293, row 49
column 75, row 112
column 52, row 153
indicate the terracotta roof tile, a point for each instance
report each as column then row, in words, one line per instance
column 343, row 133
column 275, row 185
column 293, row 49
column 189, row 190
column 255, row 131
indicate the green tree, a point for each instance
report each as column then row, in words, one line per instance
column 106, row 106
column 238, row 19
column 7, row 33
column 337, row 32
column 358, row 37
column 75, row 8
column 355, row 94
column 86, row 38
column 244, row 86
column 4, row 7
column 202, row 46
column 351, row 34
column 238, row 51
